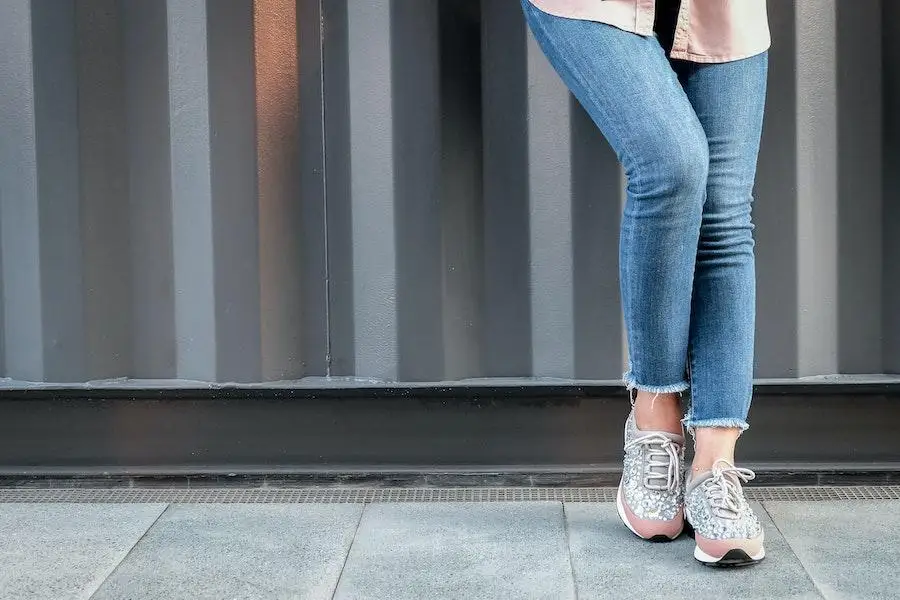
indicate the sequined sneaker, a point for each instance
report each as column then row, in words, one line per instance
column 651, row 495
column 726, row 530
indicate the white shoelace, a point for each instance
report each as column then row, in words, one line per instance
column 662, row 453
column 724, row 489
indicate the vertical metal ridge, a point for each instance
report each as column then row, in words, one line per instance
column 373, row 188
column 890, row 179
column 193, row 229
column 550, row 203
column 149, row 158
column 105, row 212
column 862, row 257
column 282, row 196
column 417, row 112
column 507, row 333
column 19, row 216
column 329, row 356
column 816, row 117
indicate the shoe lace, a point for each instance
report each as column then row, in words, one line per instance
column 663, row 472
column 724, row 489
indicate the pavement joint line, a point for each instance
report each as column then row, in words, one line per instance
column 787, row 541
column 565, row 516
column 98, row 582
column 337, row 582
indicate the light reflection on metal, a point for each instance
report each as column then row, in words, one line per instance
column 277, row 114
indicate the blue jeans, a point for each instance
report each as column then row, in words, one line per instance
column 687, row 136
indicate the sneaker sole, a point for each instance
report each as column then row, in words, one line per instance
column 732, row 558
column 735, row 557
column 657, row 539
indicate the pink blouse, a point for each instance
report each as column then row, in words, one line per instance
column 708, row 31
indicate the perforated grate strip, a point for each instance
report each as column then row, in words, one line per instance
column 363, row 495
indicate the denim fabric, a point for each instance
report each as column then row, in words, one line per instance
column 687, row 135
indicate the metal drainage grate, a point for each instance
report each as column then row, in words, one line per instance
column 824, row 494
column 362, row 495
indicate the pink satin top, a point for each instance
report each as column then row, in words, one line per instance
column 708, row 31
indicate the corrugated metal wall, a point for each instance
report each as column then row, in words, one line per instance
column 229, row 190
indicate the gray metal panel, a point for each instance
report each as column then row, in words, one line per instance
column 549, row 171
column 19, row 209
column 235, row 190
column 372, row 188
column 415, row 68
column 338, row 227
column 152, row 277
column 291, row 188
column 507, row 341
column 58, row 184
column 817, row 203
column 860, row 208
column 304, row 258
column 891, row 217
column 461, row 191
column 2, row 319
column 40, row 212
column 597, row 199
column 105, row 213
column 192, row 200
column 233, row 175
column 775, row 207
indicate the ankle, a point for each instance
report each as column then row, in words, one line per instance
column 704, row 464
column 713, row 444
column 658, row 412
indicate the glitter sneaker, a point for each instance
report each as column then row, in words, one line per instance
column 650, row 500
column 726, row 530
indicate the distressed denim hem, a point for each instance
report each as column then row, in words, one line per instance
column 631, row 383
column 691, row 424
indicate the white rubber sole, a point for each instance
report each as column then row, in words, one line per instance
column 711, row 560
column 706, row 559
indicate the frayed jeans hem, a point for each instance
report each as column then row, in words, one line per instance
column 692, row 424
column 632, row 384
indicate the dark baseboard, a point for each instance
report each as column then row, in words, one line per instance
column 558, row 435
column 883, row 475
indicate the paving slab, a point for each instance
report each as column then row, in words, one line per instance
column 439, row 551
column 238, row 551
column 851, row 549
column 610, row 562
column 64, row 551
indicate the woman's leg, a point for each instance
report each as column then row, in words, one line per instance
column 728, row 99
column 628, row 87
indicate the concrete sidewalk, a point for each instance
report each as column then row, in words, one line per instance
column 427, row 550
